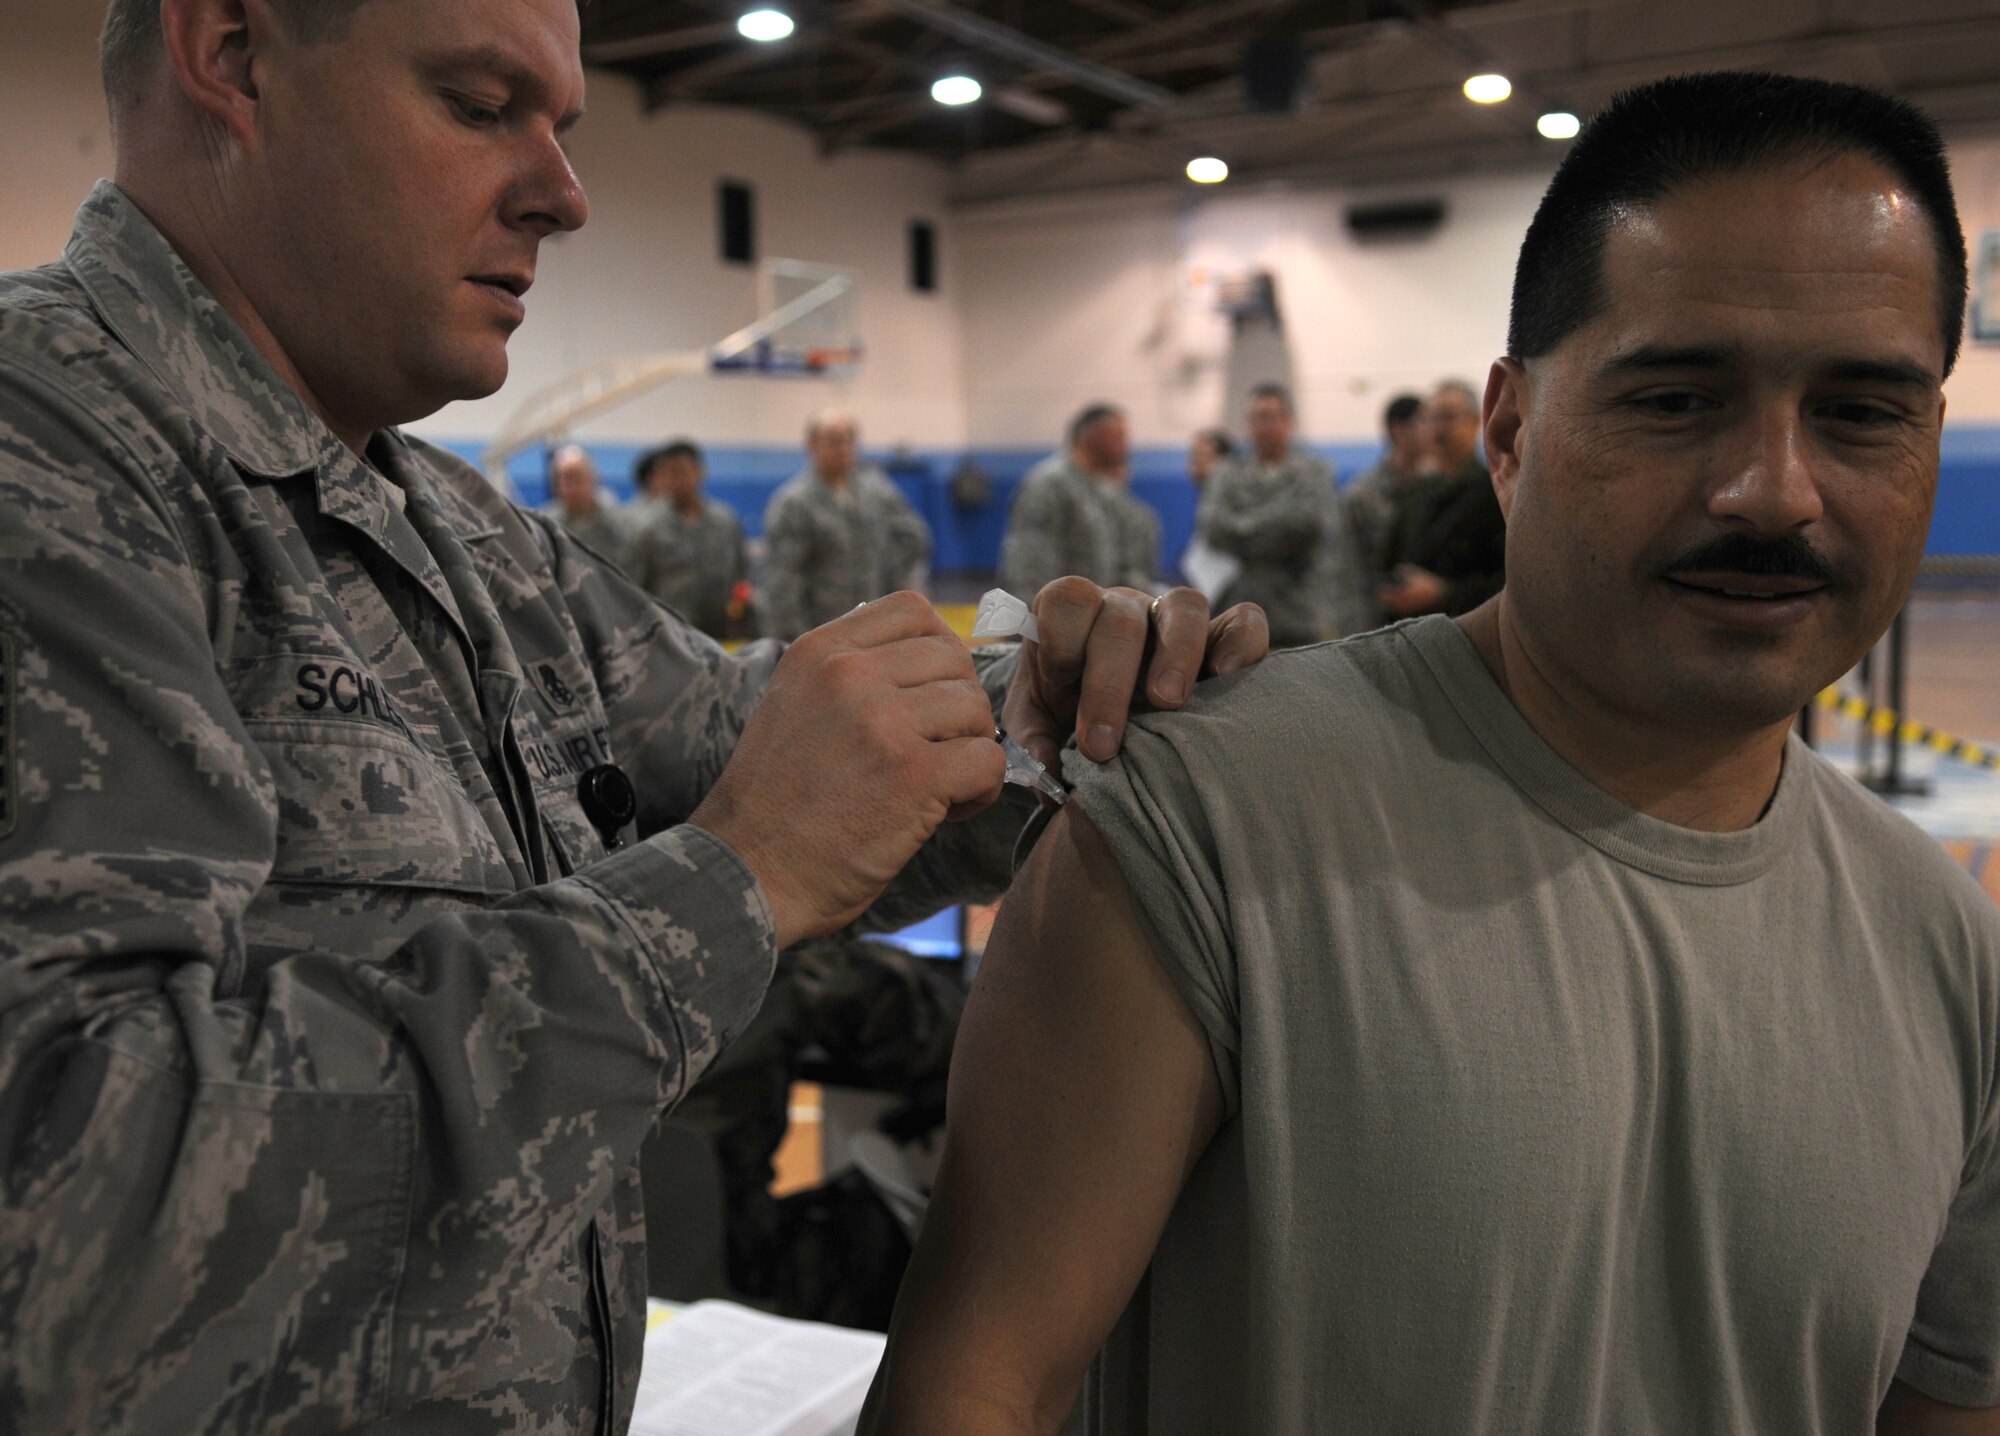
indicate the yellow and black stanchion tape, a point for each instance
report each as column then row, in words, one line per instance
column 1889, row 723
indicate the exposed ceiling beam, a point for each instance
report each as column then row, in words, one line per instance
column 1010, row 44
column 1123, row 11
column 690, row 81
column 667, row 42
column 1226, row 16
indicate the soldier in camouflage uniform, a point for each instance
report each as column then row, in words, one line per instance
column 1074, row 513
column 837, row 534
column 1273, row 509
column 689, row 551
column 577, row 501
column 333, row 1006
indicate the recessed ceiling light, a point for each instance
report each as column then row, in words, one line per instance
column 1207, row 170
column 1488, row 89
column 1559, row 125
column 765, row 25
column 956, row 90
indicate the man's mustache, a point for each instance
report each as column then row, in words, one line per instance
column 1791, row 556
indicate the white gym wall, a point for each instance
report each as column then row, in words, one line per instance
column 1042, row 304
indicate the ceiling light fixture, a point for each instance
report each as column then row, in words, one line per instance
column 956, row 90
column 1207, row 170
column 1488, row 89
column 1559, row 125
column 765, row 26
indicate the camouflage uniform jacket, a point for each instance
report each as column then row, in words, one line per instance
column 1138, row 536
column 691, row 565
column 1066, row 521
column 609, row 528
column 1273, row 519
column 328, row 1031
column 827, row 550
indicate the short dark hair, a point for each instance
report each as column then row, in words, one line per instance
column 642, row 470
column 1089, row 417
column 1660, row 137
column 1271, row 390
column 1403, row 409
column 1220, row 440
column 131, row 39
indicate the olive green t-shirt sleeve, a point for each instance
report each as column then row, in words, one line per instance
column 1953, row 1353
column 1152, row 816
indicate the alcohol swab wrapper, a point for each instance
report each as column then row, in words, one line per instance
column 1001, row 615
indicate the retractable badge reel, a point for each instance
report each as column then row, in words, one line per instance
column 1001, row 615
column 609, row 802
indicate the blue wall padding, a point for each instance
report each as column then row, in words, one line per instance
column 1967, row 520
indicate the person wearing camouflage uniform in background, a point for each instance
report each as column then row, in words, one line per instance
column 578, row 502
column 1074, row 513
column 837, row 534
column 689, row 551
column 1272, row 508
column 334, row 1005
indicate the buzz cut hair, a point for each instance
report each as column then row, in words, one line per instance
column 132, row 41
column 1273, row 390
column 1089, row 417
column 1655, row 140
column 642, row 471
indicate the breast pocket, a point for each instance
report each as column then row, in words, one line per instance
column 362, row 805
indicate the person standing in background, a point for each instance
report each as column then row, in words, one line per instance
column 1368, row 505
column 1075, row 513
column 577, row 502
column 1208, row 448
column 1270, row 509
column 689, row 551
column 838, row 534
column 1447, row 542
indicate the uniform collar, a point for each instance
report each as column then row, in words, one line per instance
column 469, row 505
column 151, row 300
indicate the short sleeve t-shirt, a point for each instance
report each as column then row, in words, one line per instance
column 1544, row 1115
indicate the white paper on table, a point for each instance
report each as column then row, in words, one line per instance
column 718, row 1369
column 1210, row 570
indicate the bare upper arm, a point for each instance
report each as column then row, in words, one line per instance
column 1908, row 1412
column 1082, row 1093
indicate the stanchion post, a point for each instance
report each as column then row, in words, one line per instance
column 1890, row 782
column 1864, row 743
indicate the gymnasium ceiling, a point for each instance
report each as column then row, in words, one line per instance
column 1082, row 95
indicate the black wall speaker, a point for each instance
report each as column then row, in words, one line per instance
column 737, row 215
column 1396, row 219
column 923, row 256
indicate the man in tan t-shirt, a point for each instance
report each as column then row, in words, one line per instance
column 1504, row 1025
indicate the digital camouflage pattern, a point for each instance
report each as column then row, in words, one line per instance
column 826, row 551
column 1275, row 520
column 328, row 1031
column 692, row 565
column 610, row 529
column 1368, row 507
column 1066, row 521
